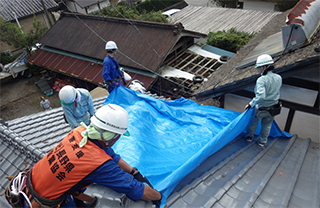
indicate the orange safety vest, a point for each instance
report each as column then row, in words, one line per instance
column 66, row 165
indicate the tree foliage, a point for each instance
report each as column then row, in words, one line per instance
column 230, row 40
column 225, row 3
column 149, row 6
column 121, row 11
column 284, row 5
column 7, row 57
column 11, row 34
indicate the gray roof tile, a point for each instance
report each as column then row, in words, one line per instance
column 239, row 175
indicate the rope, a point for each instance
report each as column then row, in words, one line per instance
column 17, row 186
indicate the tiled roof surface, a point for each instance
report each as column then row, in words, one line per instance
column 23, row 8
column 213, row 19
column 285, row 174
column 141, row 44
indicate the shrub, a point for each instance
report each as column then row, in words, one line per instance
column 230, row 40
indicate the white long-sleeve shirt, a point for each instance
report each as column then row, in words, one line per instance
column 267, row 90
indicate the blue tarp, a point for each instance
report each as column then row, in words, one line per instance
column 169, row 139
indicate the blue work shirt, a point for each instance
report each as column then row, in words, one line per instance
column 111, row 71
column 267, row 90
column 80, row 111
column 112, row 176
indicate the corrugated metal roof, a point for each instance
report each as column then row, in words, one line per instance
column 206, row 19
column 79, row 68
column 23, row 8
column 142, row 45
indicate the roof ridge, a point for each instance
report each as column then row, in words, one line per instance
column 123, row 20
column 19, row 143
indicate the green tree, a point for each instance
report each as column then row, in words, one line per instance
column 284, row 5
column 11, row 34
column 230, row 40
column 121, row 11
column 149, row 6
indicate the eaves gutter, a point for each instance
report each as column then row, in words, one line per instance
column 285, row 72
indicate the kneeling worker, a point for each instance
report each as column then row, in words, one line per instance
column 84, row 157
column 77, row 105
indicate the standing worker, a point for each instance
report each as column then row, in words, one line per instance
column 45, row 104
column 84, row 157
column 111, row 72
column 267, row 93
column 77, row 105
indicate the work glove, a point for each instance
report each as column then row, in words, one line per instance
column 247, row 107
column 157, row 203
column 139, row 177
column 116, row 83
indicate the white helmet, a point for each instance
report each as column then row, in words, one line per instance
column 111, row 45
column 67, row 95
column 263, row 60
column 111, row 118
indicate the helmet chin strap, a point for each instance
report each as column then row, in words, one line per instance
column 107, row 142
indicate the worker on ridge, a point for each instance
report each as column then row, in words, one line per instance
column 111, row 72
column 77, row 105
column 266, row 100
column 84, row 157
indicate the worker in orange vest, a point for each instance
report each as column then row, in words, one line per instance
column 84, row 157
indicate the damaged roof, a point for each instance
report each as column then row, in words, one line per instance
column 285, row 174
column 141, row 44
column 9, row 10
column 230, row 77
column 75, row 46
column 213, row 19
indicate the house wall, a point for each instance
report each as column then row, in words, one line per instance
column 74, row 7
column 258, row 5
column 27, row 26
column 305, row 125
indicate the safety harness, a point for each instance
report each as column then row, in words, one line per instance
column 20, row 190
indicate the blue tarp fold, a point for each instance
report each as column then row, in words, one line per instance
column 169, row 139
